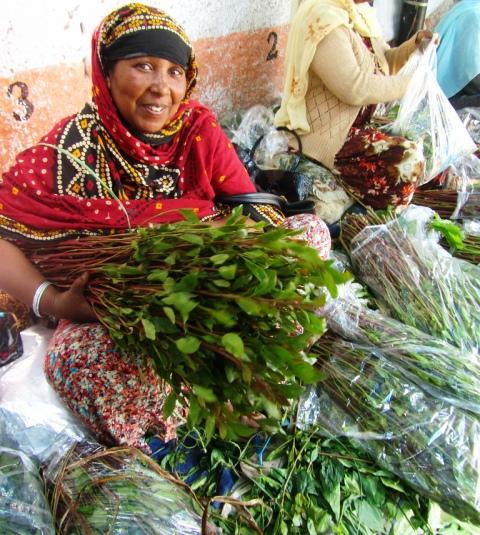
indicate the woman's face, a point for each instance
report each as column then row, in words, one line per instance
column 147, row 91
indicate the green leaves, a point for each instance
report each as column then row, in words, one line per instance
column 218, row 312
column 149, row 329
column 188, row 344
column 233, row 344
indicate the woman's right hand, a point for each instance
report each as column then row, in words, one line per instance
column 424, row 37
column 70, row 304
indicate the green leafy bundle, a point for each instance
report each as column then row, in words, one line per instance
column 23, row 506
column 119, row 490
column 460, row 243
column 425, row 440
column 222, row 313
column 303, row 484
column 419, row 282
column 434, row 365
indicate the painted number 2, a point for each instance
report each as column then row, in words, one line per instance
column 273, row 40
column 21, row 102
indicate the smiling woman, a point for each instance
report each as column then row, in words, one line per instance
column 137, row 155
column 144, row 141
column 147, row 91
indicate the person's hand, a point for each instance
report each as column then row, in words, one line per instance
column 70, row 304
column 424, row 37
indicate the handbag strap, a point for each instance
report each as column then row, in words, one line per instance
column 252, row 198
column 285, row 129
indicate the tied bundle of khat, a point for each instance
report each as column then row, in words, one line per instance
column 223, row 314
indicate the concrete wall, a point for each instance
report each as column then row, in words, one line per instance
column 45, row 56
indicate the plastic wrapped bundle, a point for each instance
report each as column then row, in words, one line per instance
column 425, row 440
column 24, row 509
column 437, row 367
column 426, row 116
column 417, row 280
column 118, row 491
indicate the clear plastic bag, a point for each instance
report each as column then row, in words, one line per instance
column 471, row 119
column 424, row 440
column 426, row 116
column 32, row 417
column 256, row 122
column 24, row 510
column 418, row 281
column 117, row 491
column 331, row 200
column 438, row 368
column 408, row 399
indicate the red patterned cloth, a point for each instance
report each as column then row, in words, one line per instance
column 379, row 170
column 115, row 395
column 315, row 232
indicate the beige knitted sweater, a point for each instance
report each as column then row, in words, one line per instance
column 342, row 79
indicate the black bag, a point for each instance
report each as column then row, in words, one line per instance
column 286, row 207
column 288, row 183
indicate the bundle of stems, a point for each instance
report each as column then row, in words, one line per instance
column 425, row 440
column 119, row 490
column 417, row 280
column 442, row 201
column 470, row 250
column 437, row 367
column 215, row 310
column 446, row 202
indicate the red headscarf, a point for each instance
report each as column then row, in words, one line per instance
column 50, row 192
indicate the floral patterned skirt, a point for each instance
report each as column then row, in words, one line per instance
column 115, row 395
column 379, row 170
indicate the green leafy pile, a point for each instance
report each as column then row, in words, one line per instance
column 222, row 313
column 303, row 485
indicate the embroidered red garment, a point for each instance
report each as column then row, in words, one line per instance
column 50, row 192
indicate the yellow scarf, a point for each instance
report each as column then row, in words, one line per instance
column 313, row 21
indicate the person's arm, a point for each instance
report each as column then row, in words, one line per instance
column 20, row 278
column 336, row 65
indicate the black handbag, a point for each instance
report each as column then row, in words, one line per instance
column 286, row 207
column 288, row 183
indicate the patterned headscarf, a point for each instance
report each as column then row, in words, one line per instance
column 65, row 186
column 312, row 22
column 133, row 30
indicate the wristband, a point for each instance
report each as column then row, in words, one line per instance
column 38, row 296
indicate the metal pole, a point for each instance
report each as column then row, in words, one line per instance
column 412, row 18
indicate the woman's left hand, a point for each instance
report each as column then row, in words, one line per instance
column 424, row 37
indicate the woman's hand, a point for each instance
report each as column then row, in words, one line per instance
column 70, row 304
column 424, row 37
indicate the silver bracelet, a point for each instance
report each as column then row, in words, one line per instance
column 38, row 296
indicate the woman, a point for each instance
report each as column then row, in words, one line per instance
column 458, row 54
column 155, row 150
column 337, row 69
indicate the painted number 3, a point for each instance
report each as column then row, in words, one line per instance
column 24, row 108
column 273, row 40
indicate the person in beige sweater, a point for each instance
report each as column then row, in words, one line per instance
column 337, row 69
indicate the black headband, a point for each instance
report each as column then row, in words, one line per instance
column 156, row 42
